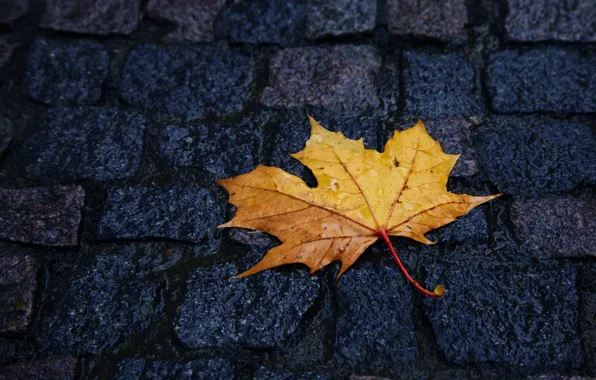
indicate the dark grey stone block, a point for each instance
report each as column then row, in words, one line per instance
column 12, row 10
column 470, row 227
column 523, row 318
column 5, row 134
column 180, row 213
column 83, row 143
column 542, row 79
column 131, row 369
column 6, row 49
column 107, row 297
column 17, row 287
column 259, row 311
column 556, row 226
column 531, row 156
column 188, row 82
column 439, row 86
column 50, row 368
column 339, row 17
column 540, row 20
column 61, row 73
column 335, row 78
column 47, row 216
column 92, row 17
column 268, row 374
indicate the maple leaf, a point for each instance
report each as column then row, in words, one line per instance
column 362, row 195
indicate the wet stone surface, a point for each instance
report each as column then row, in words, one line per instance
column 337, row 78
column 259, row 311
column 264, row 21
column 443, row 20
column 268, row 374
column 532, row 156
column 375, row 329
column 12, row 10
column 471, row 227
column 588, row 313
column 92, row 17
column 193, row 19
column 531, row 20
column 5, row 134
column 50, row 368
column 542, row 79
column 83, row 143
column 222, row 150
column 525, row 318
column 66, row 73
column 130, row 369
column 108, row 296
column 439, row 85
column 339, row 17
column 454, row 135
column 17, row 287
column 15, row 349
column 566, row 226
column 186, row 213
column 294, row 131
column 48, row 216
column 188, row 83
column 6, row 49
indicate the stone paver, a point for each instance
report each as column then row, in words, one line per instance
column 264, row 21
column 439, row 85
column 110, row 295
column 531, row 156
column 92, row 17
column 66, row 73
column 222, row 150
column 12, row 10
column 556, row 226
column 193, row 19
column 588, row 313
column 542, row 79
column 48, row 216
column 443, row 20
column 5, row 134
column 339, row 17
column 188, row 83
column 259, row 311
column 375, row 329
column 336, row 78
column 6, row 49
column 83, row 143
column 524, row 318
column 186, row 213
column 197, row 369
column 473, row 227
column 49, row 368
column 17, row 287
column 541, row 20
column 268, row 374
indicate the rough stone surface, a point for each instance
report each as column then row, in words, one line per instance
column 339, row 17
column 542, row 79
column 6, row 49
column 439, row 85
column 15, row 349
column 254, row 312
column 12, row 10
column 531, row 156
column 294, row 131
column 107, row 297
column 530, row 20
column 556, row 226
column 337, row 78
column 375, row 329
column 193, row 19
column 454, row 135
column 83, row 143
column 48, row 216
column 187, row 82
column 66, row 73
column 440, row 19
column 264, row 21
column 5, row 134
column 268, row 374
column 50, row 368
column 179, row 213
column 222, row 150
column 588, row 314
column 137, row 369
column 471, row 227
column 525, row 318
column 17, row 286
column 92, row 17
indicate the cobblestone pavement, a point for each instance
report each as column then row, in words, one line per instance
column 117, row 116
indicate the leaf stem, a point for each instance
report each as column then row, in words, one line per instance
column 439, row 290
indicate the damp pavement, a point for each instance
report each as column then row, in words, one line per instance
column 117, row 117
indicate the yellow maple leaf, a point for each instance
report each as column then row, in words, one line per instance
column 362, row 195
